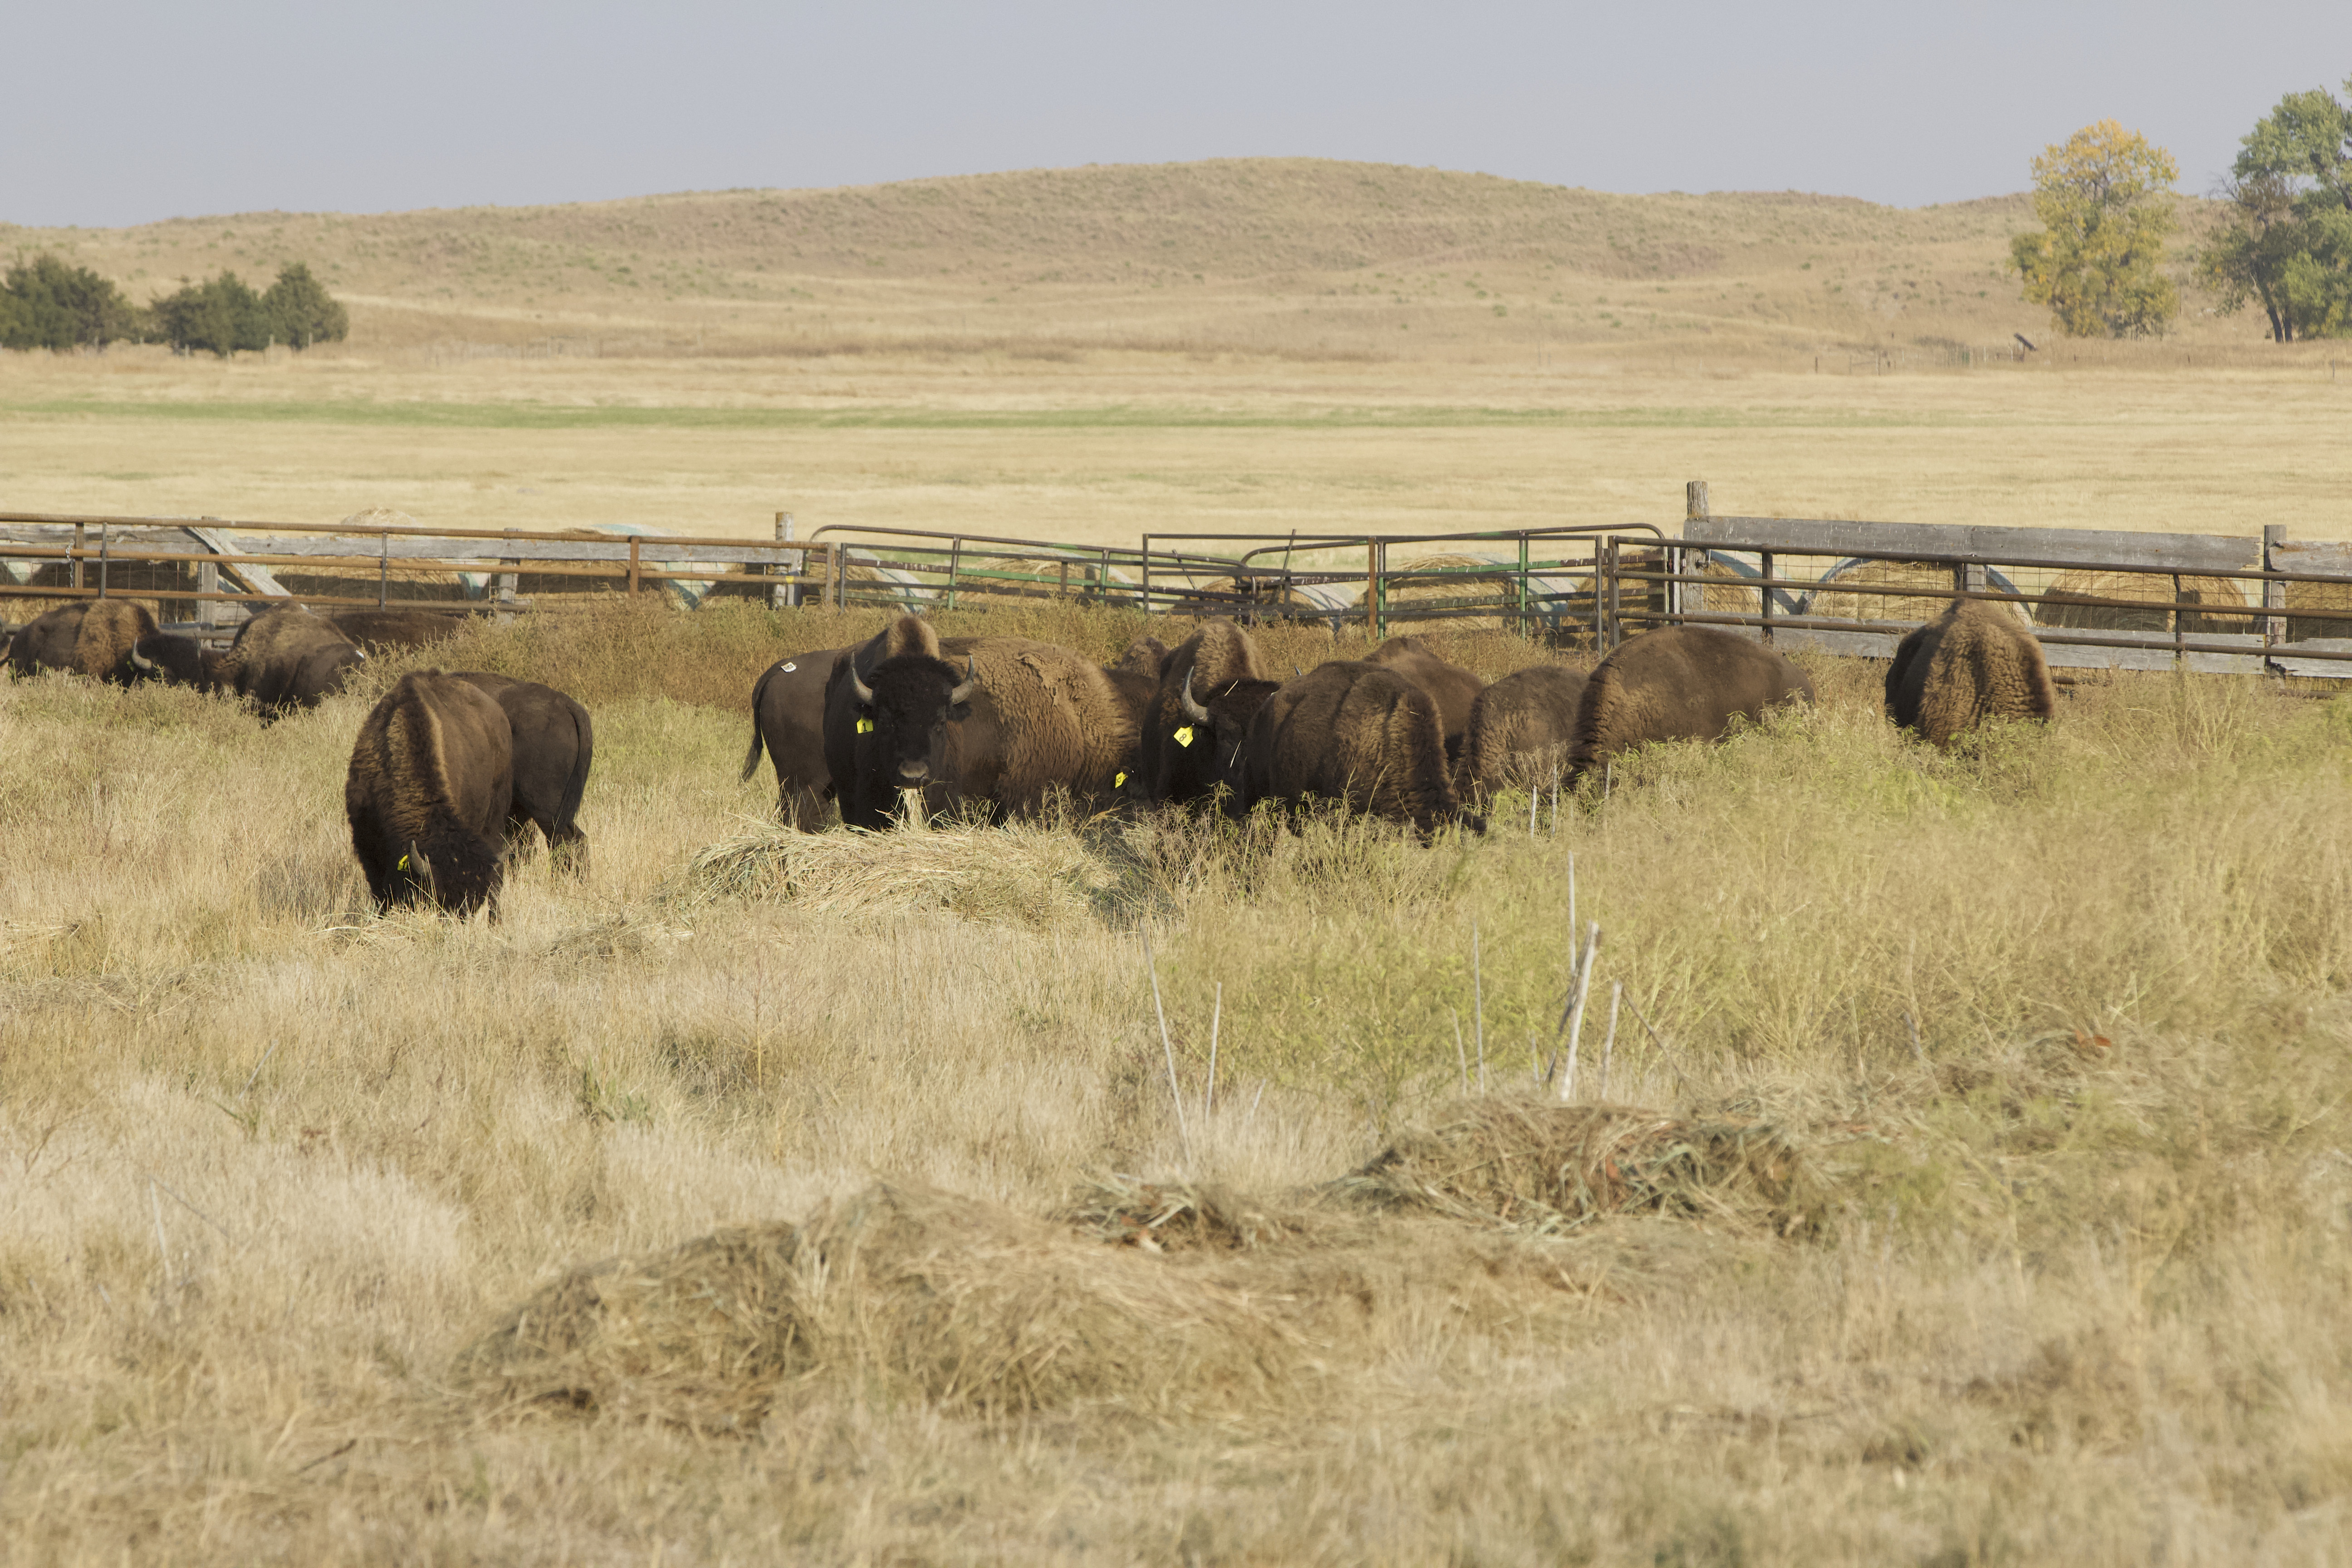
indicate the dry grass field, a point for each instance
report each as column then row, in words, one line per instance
column 1975, row 1189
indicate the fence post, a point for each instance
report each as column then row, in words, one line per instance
column 1689, row 597
column 1764, row 593
column 384, row 569
column 793, row 562
column 207, row 581
column 2274, row 628
column 955, row 561
column 1372, row 589
column 1614, row 620
column 632, row 565
column 73, row 566
column 101, row 560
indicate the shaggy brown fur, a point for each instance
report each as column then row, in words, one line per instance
column 288, row 658
column 1039, row 717
column 1971, row 663
column 1216, row 656
column 1353, row 732
column 1678, row 683
column 554, row 744
column 788, row 721
column 94, row 638
column 1453, row 689
column 178, row 660
column 1520, row 728
column 430, row 784
column 386, row 631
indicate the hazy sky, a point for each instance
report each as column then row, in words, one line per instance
column 120, row 113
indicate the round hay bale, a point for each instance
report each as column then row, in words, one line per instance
column 1826, row 602
column 1253, row 597
column 1027, row 579
column 2060, row 607
column 894, row 1293
column 1471, row 593
column 2319, row 596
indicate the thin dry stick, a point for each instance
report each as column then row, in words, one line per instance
column 1664, row 1049
column 1571, row 896
column 1555, row 805
column 1912, row 1024
column 1459, row 1055
column 257, row 1070
column 1532, row 798
column 1576, row 1008
column 1174, row 1094
column 1609, row 1047
column 1209, row 1095
column 1607, row 770
column 162, row 1247
column 1477, row 994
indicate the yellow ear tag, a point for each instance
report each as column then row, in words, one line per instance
column 403, row 864
column 1118, row 781
column 866, row 726
column 1185, row 736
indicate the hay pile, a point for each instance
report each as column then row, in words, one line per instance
column 1463, row 592
column 894, row 1293
column 1176, row 1216
column 1545, row 1167
column 1026, row 875
column 2058, row 608
column 1827, row 602
column 2319, row 596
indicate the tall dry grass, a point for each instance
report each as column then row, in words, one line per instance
column 2075, row 1289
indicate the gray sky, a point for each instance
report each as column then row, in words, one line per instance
column 124, row 112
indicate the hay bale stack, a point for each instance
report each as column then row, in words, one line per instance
column 1031, row 877
column 1827, row 602
column 1722, row 594
column 1545, row 1167
column 2061, row 604
column 894, row 1293
column 1478, row 581
column 2319, row 596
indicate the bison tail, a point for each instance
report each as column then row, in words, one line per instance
column 568, row 808
column 751, row 757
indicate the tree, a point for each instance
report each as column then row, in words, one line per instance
column 46, row 304
column 302, row 311
column 220, row 317
column 2289, row 239
column 2099, row 195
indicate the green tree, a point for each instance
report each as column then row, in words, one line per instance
column 2099, row 195
column 46, row 304
column 2288, row 243
column 219, row 316
column 301, row 310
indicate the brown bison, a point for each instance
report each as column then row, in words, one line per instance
column 1971, row 663
column 1000, row 721
column 391, row 631
column 1453, row 689
column 430, row 786
column 1205, row 755
column 288, row 658
column 1677, row 683
column 1355, row 732
column 1519, row 727
column 179, row 661
column 788, row 723
column 553, row 745
column 1135, row 675
column 1212, row 658
column 94, row 637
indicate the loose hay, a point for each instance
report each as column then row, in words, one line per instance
column 1547, row 1167
column 1171, row 1216
column 1029, row 876
column 894, row 1293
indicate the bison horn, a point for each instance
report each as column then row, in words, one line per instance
column 865, row 693
column 141, row 663
column 421, row 869
column 963, row 693
column 1192, row 710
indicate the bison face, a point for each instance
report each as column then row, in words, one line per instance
column 182, row 661
column 909, row 706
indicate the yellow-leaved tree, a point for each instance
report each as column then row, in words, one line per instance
column 2099, row 194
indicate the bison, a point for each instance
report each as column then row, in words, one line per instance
column 392, row 631
column 1204, row 755
column 94, row 637
column 1677, row 683
column 1971, row 663
column 788, row 723
column 180, row 661
column 1355, row 732
column 430, row 786
column 1453, row 689
column 288, row 658
column 1002, row 721
column 1520, row 724
column 1212, row 658
column 553, row 745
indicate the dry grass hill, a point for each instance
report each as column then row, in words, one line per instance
column 1299, row 257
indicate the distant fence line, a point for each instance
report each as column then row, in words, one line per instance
column 2215, row 603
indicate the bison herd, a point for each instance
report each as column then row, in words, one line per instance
column 448, row 769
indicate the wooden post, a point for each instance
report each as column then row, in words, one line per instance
column 792, row 562
column 101, row 560
column 1764, row 593
column 81, row 543
column 632, row 565
column 955, row 563
column 1372, row 589
column 208, row 613
column 2276, row 629
column 1688, row 598
column 509, row 581
column 1614, row 621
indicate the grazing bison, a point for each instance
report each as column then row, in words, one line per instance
column 1212, row 658
column 1519, row 727
column 1000, row 721
column 1971, row 663
column 179, row 661
column 553, row 745
column 1355, row 732
column 1205, row 754
column 391, row 631
column 1136, row 677
column 1453, row 689
column 288, row 658
column 788, row 722
column 94, row 637
column 431, row 783
column 1677, row 683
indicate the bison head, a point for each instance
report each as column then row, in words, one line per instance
column 905, row 712
column 182, row 661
